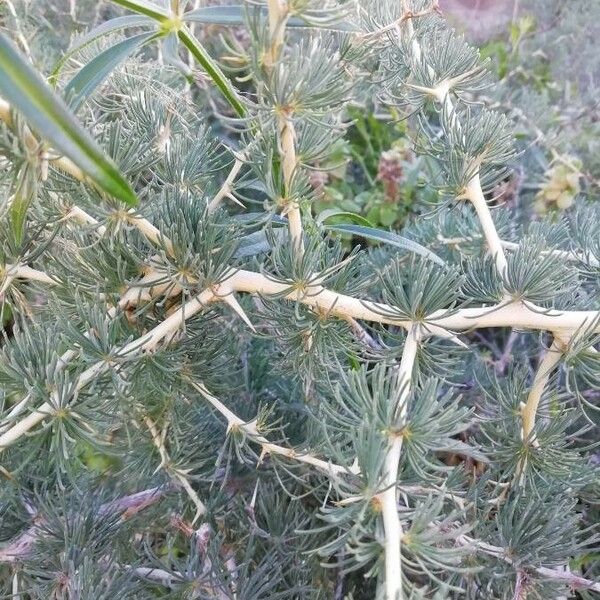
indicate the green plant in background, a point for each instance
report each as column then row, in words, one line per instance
column 375, row 173
column 206, row 400
column 562, row 186
column 548, row 79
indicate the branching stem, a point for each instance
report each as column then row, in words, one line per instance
column 278, row 17
column 389, row 505
column 529, row 410
column 250, row 429
column 475, row 195
column 178, row 474
column 165, row 330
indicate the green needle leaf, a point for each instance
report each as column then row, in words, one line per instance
column 50, row 117
column 24, row 194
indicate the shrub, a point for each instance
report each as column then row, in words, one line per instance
column 201, row 400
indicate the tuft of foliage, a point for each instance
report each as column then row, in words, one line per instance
column 210, row 389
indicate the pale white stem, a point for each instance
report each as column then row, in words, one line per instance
column 405, row 17
column 564, row 254
column 16, row 410
column 148, row 342
column 233, row 421
column 150, row 231
column 473, row 192
column 278, row 17
column 513, row 314
column 158, row 575
column 475, row 195
column 157, row 441
column 175, row 473
column 78, row 214
column 529, row 409
column 567, row 577
column 18, row 31
column 21, row 271
column 295, row 225
column 388, row 498
column 516, row 314
column 9, row 272
column 15, row 587
column 287, row 150
column 22, row 427
column 227, row 188
column 409, row 29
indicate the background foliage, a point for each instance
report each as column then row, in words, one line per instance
column 202, row 442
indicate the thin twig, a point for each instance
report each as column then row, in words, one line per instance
column 250, row 429
column 391, row 520
column 176, row 473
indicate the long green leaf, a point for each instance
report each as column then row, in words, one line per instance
column 51, row 118
column 112, row 26
column 143, row 7
column 83, row 84
column 105, row 29
column 386, row 237
column 217, row 15
column 24, row 194
column 213, row 70
column 257, row 243
column 337, row 213
column 170, row 52
column 234, row 15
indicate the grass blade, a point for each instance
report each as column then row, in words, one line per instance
column 50, row 117
column 216, row 15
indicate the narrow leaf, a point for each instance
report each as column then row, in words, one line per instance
column 24, row 194
column 170, row 50
column 344, row 26
column 51, row 118
column 234, row 15
column 331, row 213
column 386, row 237
column 210, row 66
column 216, row 15
column 143, row 7
column 83, row 84
column 107, row 28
